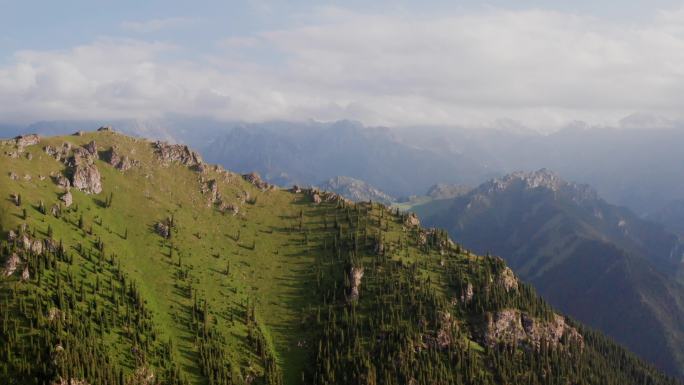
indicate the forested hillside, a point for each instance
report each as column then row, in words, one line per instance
column 126, row 261
column 597, row 262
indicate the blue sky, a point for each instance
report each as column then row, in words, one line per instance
column 539, row 63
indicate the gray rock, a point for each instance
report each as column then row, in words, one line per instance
column 27, row 140
column 87, row 178
column 355, row 276
column 169, row 153
column 67, row 198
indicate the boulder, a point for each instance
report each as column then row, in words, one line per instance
column 37, row 247
column 86, row 177
column 162, row 229
column 11, row 264
column 67, row 198
column 468, row 293
column 316, row 198
column 63, row 182
column 54, row 314
column 105, row 129
column 355, row 276
column 25, row 275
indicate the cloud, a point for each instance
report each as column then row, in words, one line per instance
column 156, row 25
column 541, row 68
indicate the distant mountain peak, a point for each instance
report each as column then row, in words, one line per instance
column 540, row 179
column 356, row 190
column 535, row 179
column 446, row 191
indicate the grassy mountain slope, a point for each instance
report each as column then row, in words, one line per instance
column 178, row 272
column 596, row 262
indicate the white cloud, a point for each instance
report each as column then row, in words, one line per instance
column 537, row 67
column 155, row 25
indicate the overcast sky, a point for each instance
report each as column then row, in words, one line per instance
column 535, row 63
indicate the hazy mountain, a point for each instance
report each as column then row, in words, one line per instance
column 287, row 153
column 356, row 190
column 446, row 191
column 595, row 261
column 671, row 216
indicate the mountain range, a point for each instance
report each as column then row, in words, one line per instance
column 597, row 262
column 634, row 165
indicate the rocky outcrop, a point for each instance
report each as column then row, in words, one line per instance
column 116, row 160
column 178, row 153
column 255, row 179
column 468, row 293
column 25, row 275
column 62, row 182
column 105, row 129
column 67, row 198
column 59, row 153
column 27, row 140
column 513, row 327
column 55, row 314
column 86, row 177
column 355, row 276
column 412, row 220
column 11, row 264
column 91, row 147
column 210, row 188
column 230, row 208
column 507, row 279
column 37, row 247
column 142, row 376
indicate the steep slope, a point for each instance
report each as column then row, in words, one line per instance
column 131, row 262
column 597, row 262
column 356, row 190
